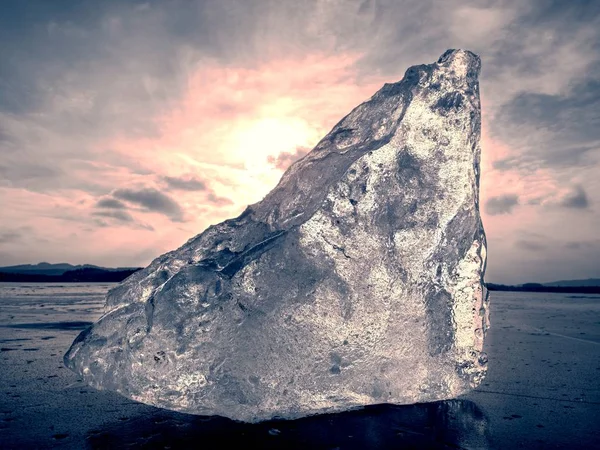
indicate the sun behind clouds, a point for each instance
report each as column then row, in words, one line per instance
column 261, row 142
column 237, row 129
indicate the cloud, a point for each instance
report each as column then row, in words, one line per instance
column 469, row 24
column 9, row 236
column 219, row 201
column 120, row 216
column 123, row 216
column 110, row 203
column 185, row 184
column 530, row 245
column 555, row 131
column 152, row 200
column 192, row 184
column 501, row 205
column 27, row 173
column 592, row 245
column 285, row 159
column 577, row 199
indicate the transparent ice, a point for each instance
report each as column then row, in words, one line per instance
column 358, row 280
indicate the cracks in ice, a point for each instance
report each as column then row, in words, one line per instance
column 149, row 310
column 248, row 255
column 337, row 247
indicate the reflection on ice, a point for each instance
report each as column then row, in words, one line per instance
column 444, row 424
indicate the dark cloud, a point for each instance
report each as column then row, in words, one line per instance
column 152, row 200
column 504, row 164
column 35, row 38
column 218, row 201
column 122, row 216
column 99, row 223
column 560, row 130
column 589, row 245
column 285, row 159
column 185, row 184
column 568, row 111
column 28, row 172
column 559, row 13
column 193, row 184
column 577, row 199
column 503, row 204
column 111, row 203
column 528, row 244
column 6, row 237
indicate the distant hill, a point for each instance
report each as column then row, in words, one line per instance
column 63, row 273
column 537, row 287
column 45, row 268
column 586, row 282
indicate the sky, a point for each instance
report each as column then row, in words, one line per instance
column 128, row 127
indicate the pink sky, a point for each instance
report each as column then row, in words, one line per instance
column 228, row 129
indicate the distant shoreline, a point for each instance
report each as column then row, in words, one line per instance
column 89, row 275
column 86, row 275
column 535, row 287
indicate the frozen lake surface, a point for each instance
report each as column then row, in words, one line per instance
column 542, row 389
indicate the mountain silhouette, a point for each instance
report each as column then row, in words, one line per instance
column 63, row 272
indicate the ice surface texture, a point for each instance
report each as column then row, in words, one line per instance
column 357, row 280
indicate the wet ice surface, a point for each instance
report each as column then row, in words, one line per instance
column 542, row 388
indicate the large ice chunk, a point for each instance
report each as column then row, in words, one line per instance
column 357, row 280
